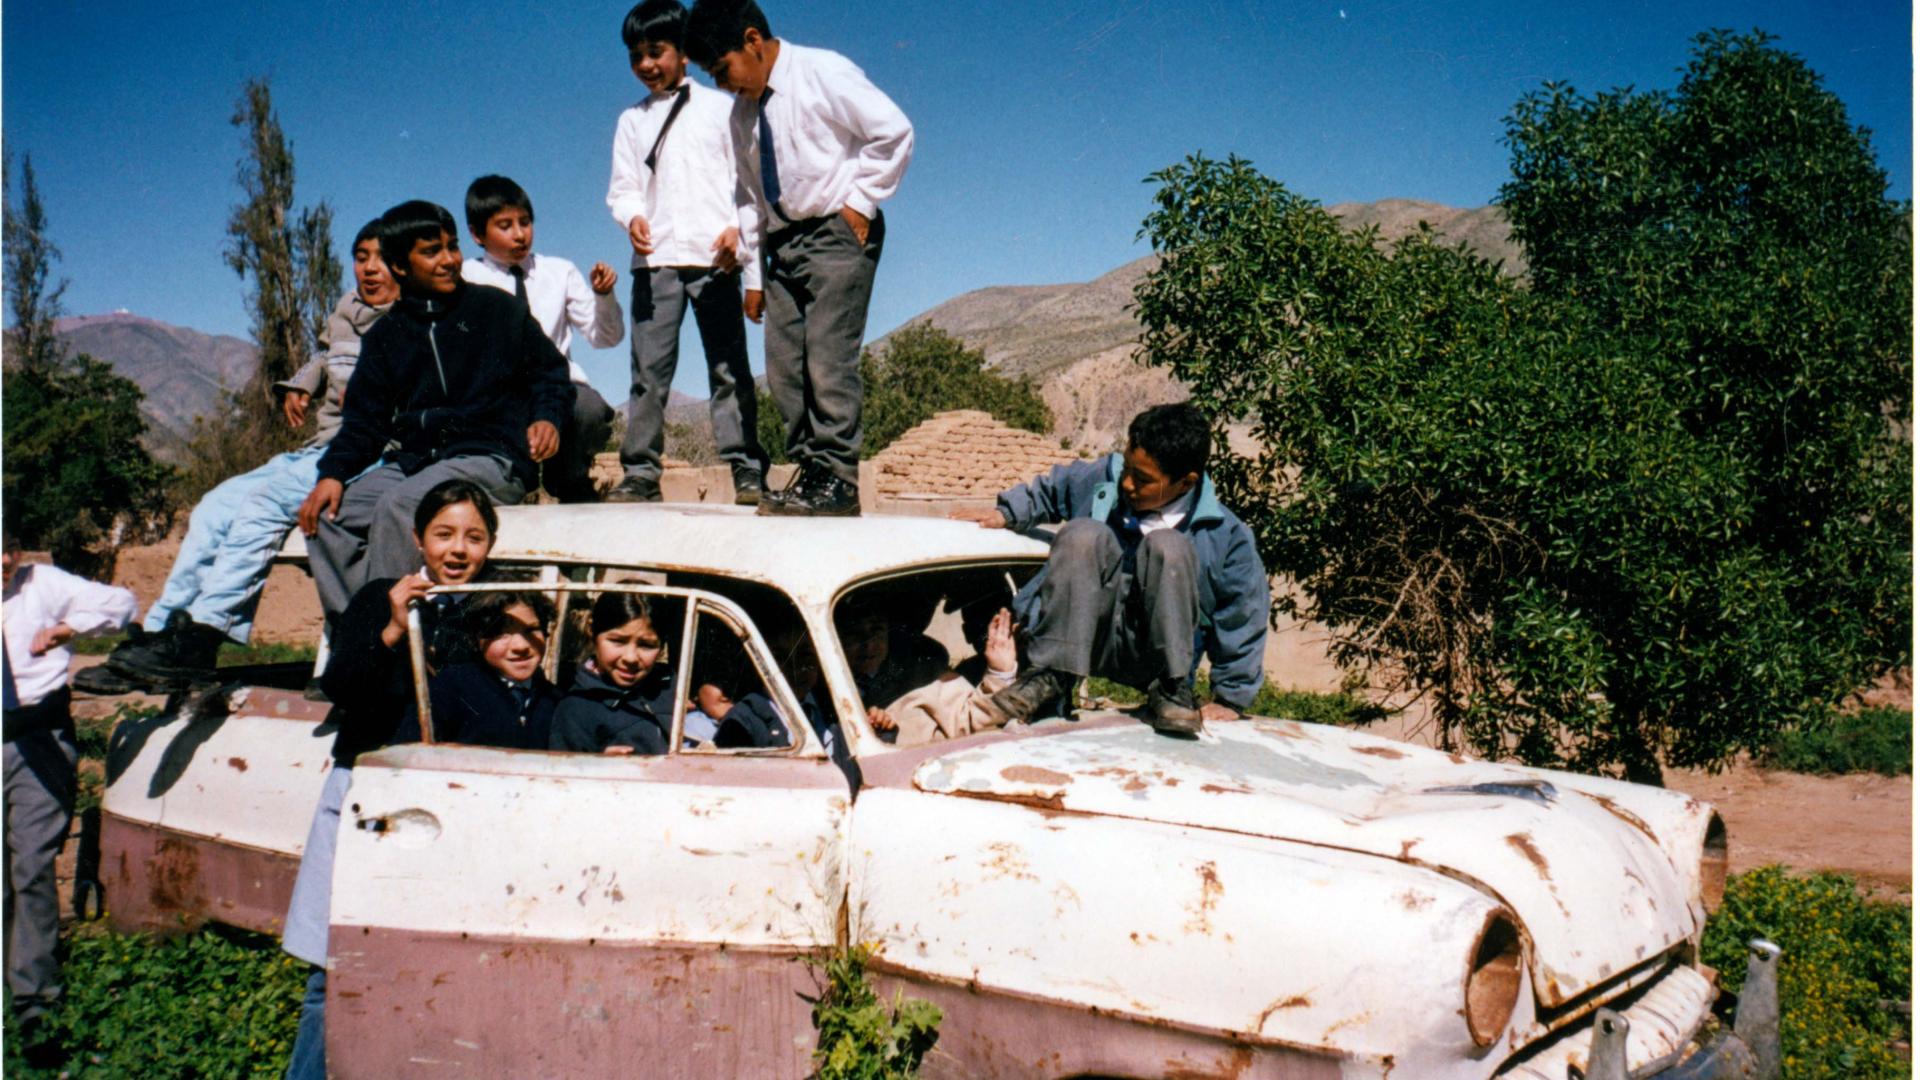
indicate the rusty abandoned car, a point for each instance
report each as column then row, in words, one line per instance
column 1080, row 897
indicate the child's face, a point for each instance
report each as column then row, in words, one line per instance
column 508, row 236
column 712, row 700
column 455, row 544
column 626, row 653
column 744, row 70
column 516, row 653
column 433, row 266
column 370, row 277
column 865, row 642
column 659, row 65
column 1148, row 488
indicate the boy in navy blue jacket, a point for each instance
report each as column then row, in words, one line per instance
column 456, row 382
column 1147, row 567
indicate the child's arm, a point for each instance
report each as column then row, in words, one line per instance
column 627, row 188
column 1237, row 638
column 81, row 607
column 746, row 207
column 882, row 132
column 366, row 420
column 551, row 385
column 297, row 390
column 592, row 309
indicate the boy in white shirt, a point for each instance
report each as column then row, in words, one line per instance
column 817, row 148
column 44, row 608
column 672, row 191
column 500, row 217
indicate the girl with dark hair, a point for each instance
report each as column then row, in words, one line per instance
column 623, row 698
column 369, row 680
column 498, row 697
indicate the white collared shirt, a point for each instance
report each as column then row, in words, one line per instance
column 687, row 197
column 42, row 596
column 1171, row 515
column 561, row 302
column 839, row 142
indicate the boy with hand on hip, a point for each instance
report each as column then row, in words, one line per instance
column 672, row 191
column 817, row 148
column 1146, row 567
column 460, row 379
column 500, row 217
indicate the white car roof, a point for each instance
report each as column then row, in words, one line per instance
column 809, row 558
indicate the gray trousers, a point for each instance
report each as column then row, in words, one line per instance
column 1096, row 618
column 567, row 475
column 819, row 280
column 372, row 536
column 661, row 297
column 39, row 810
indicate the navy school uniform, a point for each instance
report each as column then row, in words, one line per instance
column 475, row 706
column 598, row 714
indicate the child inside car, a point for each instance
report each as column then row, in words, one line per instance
column 502, row 698
column 623, row 696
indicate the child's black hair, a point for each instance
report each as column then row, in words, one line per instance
column 370, row 231
column 409, row 223
column 616, row 609
column 485, row 614
column 655, row 20
column 450, row 493
column 715, row 27
column 1175, row 436
column 491, row 194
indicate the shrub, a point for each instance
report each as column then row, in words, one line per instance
column 1841, row 956
column 1866, row 740
column 861, row 1038
column 211, row 1004
column 922, row 370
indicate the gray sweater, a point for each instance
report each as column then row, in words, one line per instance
column 339, row 352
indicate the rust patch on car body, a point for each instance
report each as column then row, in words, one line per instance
column 1296, row 1001
column 1387, row 752
column 1210, row 892
column 1033, row 774
column 1625, row 815
column 1523, row 844
column 238, row 763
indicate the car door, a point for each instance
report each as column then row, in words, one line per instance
column 529, row 913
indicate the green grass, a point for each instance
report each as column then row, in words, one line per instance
column 1866, row 740
column 1344, row 708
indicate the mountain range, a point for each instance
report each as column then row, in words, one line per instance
column 1074, row 340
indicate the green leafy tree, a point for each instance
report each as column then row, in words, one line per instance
column 293, row 279
column 74, row 477
column 1651, row 504
column 921, row 371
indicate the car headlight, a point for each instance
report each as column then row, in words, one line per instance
column 1493, row 978
column 1713, row 863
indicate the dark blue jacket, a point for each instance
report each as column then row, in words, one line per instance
column 460, row 377
column 370, row 682
column 1234, row 594
column 472, row 706
column 597, row 714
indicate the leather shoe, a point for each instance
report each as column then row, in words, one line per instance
column 827, row 496
column 1031, row 691
column 1171, row 709
column 634, row 489
column 748, row 486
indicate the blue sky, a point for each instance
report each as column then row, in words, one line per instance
column 1036, row 122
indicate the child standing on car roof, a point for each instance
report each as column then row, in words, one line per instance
column 817, row 148
column 500, row 218
column 672, row 191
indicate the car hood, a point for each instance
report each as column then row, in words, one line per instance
column 1597, row 886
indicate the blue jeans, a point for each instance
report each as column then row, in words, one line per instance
column 309, row 1060
column 231, row 539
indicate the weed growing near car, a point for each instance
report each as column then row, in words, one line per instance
column 862, row 1038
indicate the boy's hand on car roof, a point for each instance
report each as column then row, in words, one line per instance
column 986, row 518
column 641, row 234
column 323, row 499
column 293, row 406
column 601, row 278
column 754, row 304
column 543, row 440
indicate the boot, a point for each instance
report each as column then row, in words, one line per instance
column 748, row 485
column 805, row 478
column 634, row 489
column 180, row 656
column 1171, row 709
column 1031, row 691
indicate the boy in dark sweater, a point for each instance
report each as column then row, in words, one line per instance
column 457, row 382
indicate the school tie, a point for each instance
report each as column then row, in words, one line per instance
column 769, row 165
column 520, row 285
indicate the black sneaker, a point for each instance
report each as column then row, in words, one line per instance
column 830, row 496
column 1031, row 690
column 748, row 485
column 102, row 681
column 1171, row 709
column 634, row 489
column 804, row 479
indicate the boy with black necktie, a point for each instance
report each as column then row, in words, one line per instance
column 817, row 147
column 672, row 191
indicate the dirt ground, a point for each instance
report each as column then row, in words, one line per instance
column 1860, row 825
